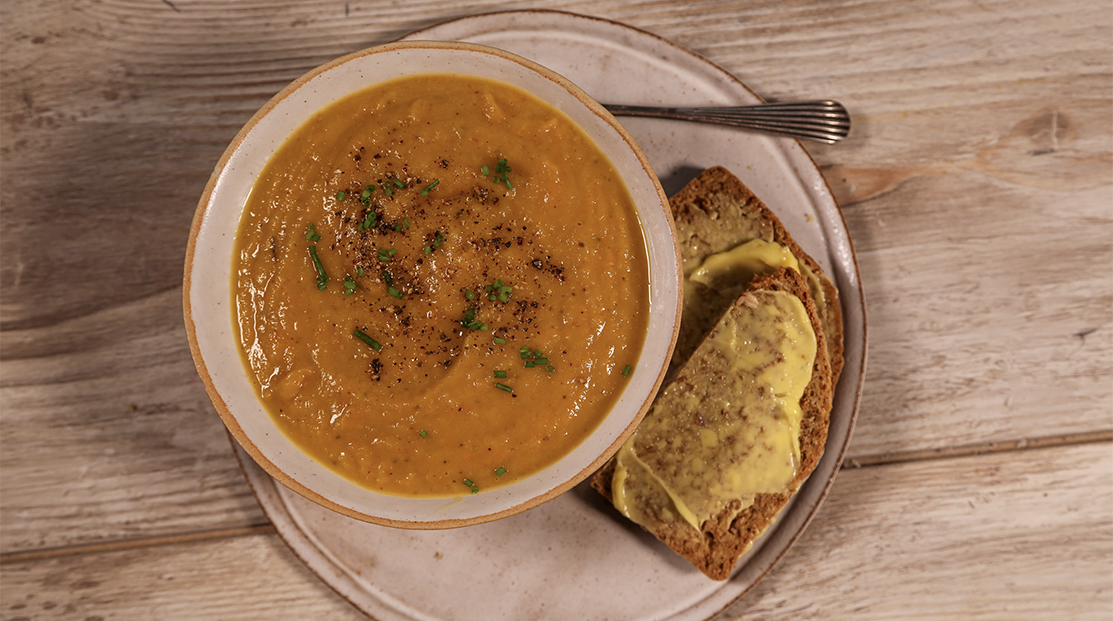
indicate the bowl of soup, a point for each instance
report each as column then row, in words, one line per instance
column 432, row 284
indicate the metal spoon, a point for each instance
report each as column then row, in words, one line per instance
column 825, row 121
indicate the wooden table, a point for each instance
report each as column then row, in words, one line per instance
column 977, row 186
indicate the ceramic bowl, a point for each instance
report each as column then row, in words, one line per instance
column 209, row 304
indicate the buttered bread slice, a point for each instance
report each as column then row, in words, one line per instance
column 727, row 235
column 737, row 429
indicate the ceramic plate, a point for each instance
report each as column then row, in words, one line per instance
column 575, row 557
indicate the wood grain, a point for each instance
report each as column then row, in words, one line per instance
column 1002, row 536
column 977, row 186
column 1020, row 535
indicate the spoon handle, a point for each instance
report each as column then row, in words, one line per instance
column 825, row 121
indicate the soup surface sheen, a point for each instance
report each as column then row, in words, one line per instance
column 439, row 281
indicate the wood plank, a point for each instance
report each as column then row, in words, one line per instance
column 112, row 438
column 1018, row 535
column 254, row 577
column 1021, row 535
column 977, row 140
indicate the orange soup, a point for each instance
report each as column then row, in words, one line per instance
column 441, row 286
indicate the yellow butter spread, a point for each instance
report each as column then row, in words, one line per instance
column 728, row 426
column 742, row 263
column 713, row 285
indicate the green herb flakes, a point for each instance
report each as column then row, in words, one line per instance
column 502, row 169
column 499, row 291
column 322, row 276
column 361, row 335
column 501, row 471
column 535, row 359
column 369, row 222
column 311, row 234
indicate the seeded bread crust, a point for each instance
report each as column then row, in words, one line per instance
column 716, row 212
column 716, row 548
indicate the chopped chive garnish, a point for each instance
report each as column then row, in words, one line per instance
column 469, row 294
column 501, row 471
column 473, row 486
column 369, row 222
column 534, row 359
column 469, row 321
column 365, row 195
column 359, row 271
column 425, row 191
column 468, row 482
column 504, row 387
column 500, row 374
column 387, row 278
column 311, row 234
column 626, row 370
column 502, row 168
column 398, row 183
column 349, row 285
column 341, row 195
column 500, row 341
column 322, row 276
column 499, row 291
column 394, row 293
column 486, row 171
column 424, row 433
column 359, row 334
column 406, row 221
column 386, row 253
column 437, row 241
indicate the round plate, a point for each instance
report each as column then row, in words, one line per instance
column 575, row 557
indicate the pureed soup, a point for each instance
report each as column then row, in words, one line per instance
column 441, row 285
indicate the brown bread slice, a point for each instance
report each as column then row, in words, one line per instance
column 716, row 548
column 716, row 212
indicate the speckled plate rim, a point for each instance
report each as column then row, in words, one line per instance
column 208, row 309
column 839, row 259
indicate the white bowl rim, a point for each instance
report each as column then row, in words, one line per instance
column 666, row 294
